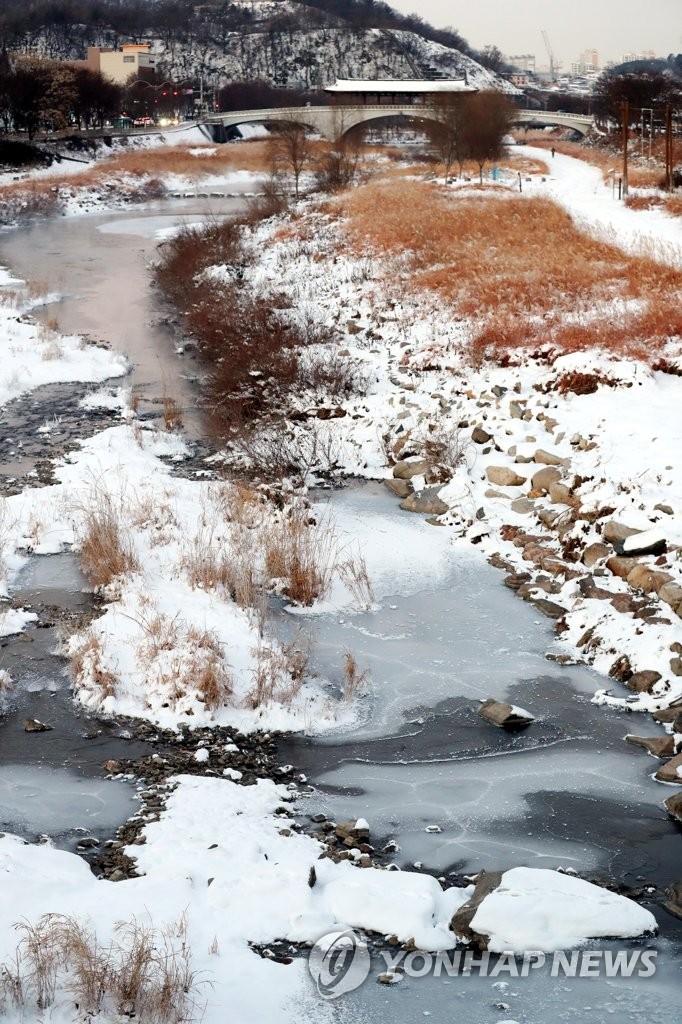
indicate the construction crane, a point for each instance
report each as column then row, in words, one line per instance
column 550, row 54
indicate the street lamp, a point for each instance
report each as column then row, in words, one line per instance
column 166, row 88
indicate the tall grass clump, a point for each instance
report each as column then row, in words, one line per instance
column 106, row 552
column 301, row 557
column 144, row 972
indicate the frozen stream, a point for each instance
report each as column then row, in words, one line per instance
column 567, row 791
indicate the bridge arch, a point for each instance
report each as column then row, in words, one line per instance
column 580, row 123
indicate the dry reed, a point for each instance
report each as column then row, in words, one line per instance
column 106, row 550
column 353, row 678
column 144, row 972
column 520, row 269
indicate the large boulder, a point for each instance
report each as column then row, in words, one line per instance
column 649, row 542
column 460, row 924
column 594, row 553
column 33, row 725
column 657, row 746
column 549, row 608
column 643, row 682
column 560, row 493
column 480, row 436
column 673, row 806
column 646, row 579
column 671, row 593
column 505, row 716
column 426, row 501
column 504, row 476
column 401, row 488
column 544, row 478
column 544, row 910
column 673, row 904
column 549, row 458
column 615, row 532
column 621, row 567
column 408, row 468
column 671, row 771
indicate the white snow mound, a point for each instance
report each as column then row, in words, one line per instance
column 539, row 909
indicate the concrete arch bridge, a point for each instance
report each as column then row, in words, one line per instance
column 335, row 121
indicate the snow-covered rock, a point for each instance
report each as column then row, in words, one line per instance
column 539, row 909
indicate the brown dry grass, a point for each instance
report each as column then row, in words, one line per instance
column 520, row 268
column 86, row 663
column 183, row 658
column 106, row 552
column 353, row 678
column 279, row 672
column 210, row 674
column 151, row 164
column 301, row 557
column 209, row 567
column 144, row 972
column 354, row 575
column 670, row 204
column 172, row 412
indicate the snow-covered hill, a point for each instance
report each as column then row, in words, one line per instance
column 286, row 43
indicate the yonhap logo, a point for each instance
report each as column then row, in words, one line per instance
column 339, row 963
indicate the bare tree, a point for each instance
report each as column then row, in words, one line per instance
column 338, row 167
column 293, row 149
column 448, row 131
column 491, row 57
column 488, row 117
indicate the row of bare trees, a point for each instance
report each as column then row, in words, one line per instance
column 39, row 95
column 470, row 128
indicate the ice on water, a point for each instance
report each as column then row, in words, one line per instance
column 38, row 800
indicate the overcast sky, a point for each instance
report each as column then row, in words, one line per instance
column 612, row 27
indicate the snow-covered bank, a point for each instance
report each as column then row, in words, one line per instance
column 546, row 453
column 581, row 188
column 220, row 859
column 172, row 644
column 156, row 167
column 32, row 355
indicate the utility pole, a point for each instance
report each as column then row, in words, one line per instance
column 669, row 148
column 625, row 121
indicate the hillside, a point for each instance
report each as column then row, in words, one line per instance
column 281, row 41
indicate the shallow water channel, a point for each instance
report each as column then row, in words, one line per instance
column 567, row 791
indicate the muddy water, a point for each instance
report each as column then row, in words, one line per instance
column 99, row 266
column 52, row 782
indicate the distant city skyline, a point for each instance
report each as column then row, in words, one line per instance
column 612, row 27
